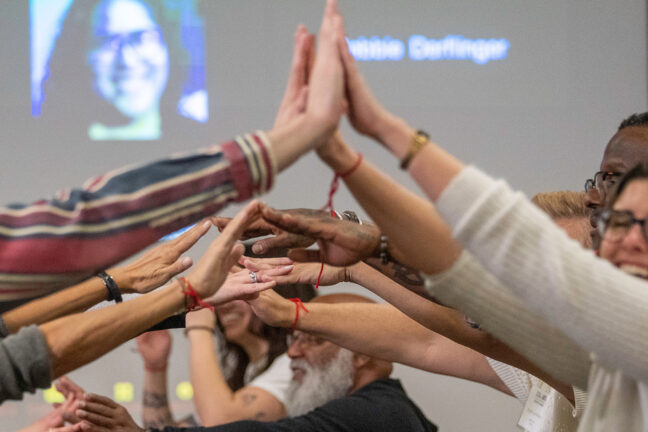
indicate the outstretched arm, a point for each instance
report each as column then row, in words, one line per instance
column 151, row 270
column 78, row 339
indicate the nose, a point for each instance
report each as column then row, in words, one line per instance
column 635, row 239
column 126, row 54
column 294, row 350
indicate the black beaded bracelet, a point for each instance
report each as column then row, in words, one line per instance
column 113, row 290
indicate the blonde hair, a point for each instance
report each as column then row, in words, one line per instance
column 562, row 204
column 567, row 205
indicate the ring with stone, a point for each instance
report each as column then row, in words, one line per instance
column 253, row 277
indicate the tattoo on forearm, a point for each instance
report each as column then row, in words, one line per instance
column 156, row 412
column 402, row 275
column 155, row 400
column 407, row 276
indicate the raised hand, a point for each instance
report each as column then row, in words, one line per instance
column 157, row 266
column 326, row 102
column 208, row 275
column 365, row 113
column 259, row 228
column 296, row 94
column 341, row 242
column 155, row 348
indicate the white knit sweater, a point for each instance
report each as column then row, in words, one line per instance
column 550, row 299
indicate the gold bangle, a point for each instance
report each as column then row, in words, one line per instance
column 418, row 142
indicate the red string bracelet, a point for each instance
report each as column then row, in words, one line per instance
column 188, row 291
column 329, row 202
column 298, row 304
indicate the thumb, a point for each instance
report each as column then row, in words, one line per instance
column 181, row 265
column 304, row 255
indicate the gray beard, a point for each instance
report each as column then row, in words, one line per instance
column 321, row 384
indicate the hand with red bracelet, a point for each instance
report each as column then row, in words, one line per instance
column 273, row 309
column 207, row 276
column 155, row 348
column 340, row 242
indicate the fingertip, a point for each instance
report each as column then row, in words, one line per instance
column 186, row 262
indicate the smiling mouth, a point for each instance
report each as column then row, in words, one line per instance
column 634, row 270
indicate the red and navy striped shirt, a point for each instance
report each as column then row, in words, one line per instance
column 55, row 243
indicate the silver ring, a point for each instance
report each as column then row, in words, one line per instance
column 253, row 277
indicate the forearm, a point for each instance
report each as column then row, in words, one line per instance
column 400, row 274
column 68, row 301
column 468, row 286
column 421, row 239
column 213, row 398
column 156, row 412
column 437, row 318
column 78, row 339
column 292, row 140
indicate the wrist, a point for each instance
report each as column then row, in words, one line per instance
column 122, row 279
column 286, row 314
column 395, row 134
column 156, row 367
column 337, row 155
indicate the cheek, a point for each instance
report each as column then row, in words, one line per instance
column 608, row 250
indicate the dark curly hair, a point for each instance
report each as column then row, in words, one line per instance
column 635, row 120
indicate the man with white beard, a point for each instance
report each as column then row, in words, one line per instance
column 332, row 389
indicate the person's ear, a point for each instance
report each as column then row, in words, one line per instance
column 360, row 360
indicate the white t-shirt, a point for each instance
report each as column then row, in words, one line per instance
column 276, row 379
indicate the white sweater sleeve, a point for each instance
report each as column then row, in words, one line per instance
column 589, row 299
column 468, row 286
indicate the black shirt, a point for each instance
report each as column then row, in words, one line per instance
column 379, row 406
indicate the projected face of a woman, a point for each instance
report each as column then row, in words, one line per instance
column 129, row 57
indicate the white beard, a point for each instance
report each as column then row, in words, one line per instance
column 321, row 384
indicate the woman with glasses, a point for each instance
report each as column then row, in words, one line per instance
column 118, row 72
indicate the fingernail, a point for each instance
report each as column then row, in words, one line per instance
column 258, row 248
column 289, row 266
column 186, row 261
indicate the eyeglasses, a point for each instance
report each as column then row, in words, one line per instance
column 138, row 40
column 614, row 225
column 304, row 340
column 603, row 181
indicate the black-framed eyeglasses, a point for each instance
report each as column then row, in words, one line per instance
column 602, row 181
column 614, row 225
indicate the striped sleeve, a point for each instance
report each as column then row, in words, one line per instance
column 55, row 243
